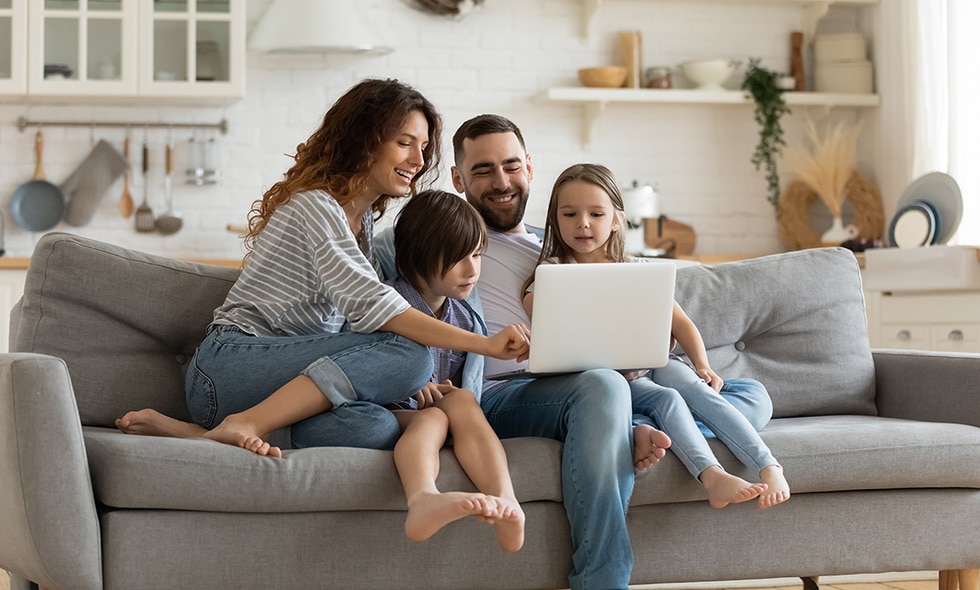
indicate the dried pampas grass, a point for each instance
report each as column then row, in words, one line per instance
column 828, row 164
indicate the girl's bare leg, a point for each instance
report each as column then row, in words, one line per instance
column 778, row 488
column 482, row 457
column 725, row 488
column 417, row 461
column 297, row 400
column 152, row 423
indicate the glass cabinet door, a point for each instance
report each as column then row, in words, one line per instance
column 83, row 47
column 13, row 47
column 196, row 44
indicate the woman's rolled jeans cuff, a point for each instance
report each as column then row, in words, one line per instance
column 331, row 381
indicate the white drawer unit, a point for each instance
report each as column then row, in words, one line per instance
column 944, row 321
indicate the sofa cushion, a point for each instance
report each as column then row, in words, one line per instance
column 794, row 321
column 819, row 454
column 126, row 323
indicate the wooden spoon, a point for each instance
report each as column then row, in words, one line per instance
column 126, row 199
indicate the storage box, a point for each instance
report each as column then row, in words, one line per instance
column 840, row 47
column 844, row 77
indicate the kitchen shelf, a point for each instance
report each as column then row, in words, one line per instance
column 595, row 100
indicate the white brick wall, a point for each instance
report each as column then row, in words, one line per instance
column 498, row 59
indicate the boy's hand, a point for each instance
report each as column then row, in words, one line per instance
column 513, row 342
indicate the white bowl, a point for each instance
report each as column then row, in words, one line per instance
column 709, row 74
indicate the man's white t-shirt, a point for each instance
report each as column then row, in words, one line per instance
column 509, row 260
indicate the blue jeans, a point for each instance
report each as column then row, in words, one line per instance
column 233, row 371
column 590, row 413
column 672, row 398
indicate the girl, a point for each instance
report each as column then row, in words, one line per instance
column 274, row 354
column 439, row 240
column 585, row 224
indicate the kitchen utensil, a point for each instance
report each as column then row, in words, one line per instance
column 674, row 237
column 631, row 54
column 38, row 205
column 144, row 213
column 709, row 74
column 603, row 76
column 88, row 183
column 126, row 198
column 170, row 221
column 941, row 192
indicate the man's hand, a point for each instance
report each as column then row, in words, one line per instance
column 633, row 375
column 513, row 342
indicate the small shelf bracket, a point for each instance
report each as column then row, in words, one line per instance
column 590, row 8
column 812, row 13
column 591, row 113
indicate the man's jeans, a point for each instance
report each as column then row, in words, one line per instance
column 233, row 371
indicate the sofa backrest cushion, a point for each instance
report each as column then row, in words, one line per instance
column 126, row 323
column 794, row 321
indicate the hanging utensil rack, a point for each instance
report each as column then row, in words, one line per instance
column 23, row 123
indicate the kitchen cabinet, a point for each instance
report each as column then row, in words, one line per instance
column 939, row 320
column 11, row 288
column 13, row 46
column 154, row 51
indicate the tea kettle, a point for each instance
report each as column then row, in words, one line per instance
column 639, row 203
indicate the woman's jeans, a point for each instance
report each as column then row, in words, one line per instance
column 673, row 397
column 233, row 371
column 590, row 412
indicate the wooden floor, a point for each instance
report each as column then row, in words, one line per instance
column 898, row 585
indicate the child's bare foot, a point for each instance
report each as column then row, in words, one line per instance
column 649, row 446
column 509, row 525
column 778, row 491
column 724, row 488
column 153, row 423
column 429, row 512
column 240, row 433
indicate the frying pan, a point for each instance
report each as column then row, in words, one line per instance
column 38, row 205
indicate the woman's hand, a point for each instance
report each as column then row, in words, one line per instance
column 432, row 392
column 711, row 378
column 633, row 375
column 513, row 342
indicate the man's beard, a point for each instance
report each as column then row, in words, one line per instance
column 497, row 220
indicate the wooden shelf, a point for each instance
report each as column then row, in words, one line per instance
column 595, row 100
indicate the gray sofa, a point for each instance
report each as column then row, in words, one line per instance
column 882, row 449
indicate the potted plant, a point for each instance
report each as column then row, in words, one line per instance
column 762, row 84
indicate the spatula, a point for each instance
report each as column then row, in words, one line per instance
column 144, row 213
column 126, row 199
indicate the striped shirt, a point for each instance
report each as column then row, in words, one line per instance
column 308, row 275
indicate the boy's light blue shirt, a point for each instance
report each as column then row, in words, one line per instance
column 384, row 252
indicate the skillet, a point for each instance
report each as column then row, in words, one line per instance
column 38, row 205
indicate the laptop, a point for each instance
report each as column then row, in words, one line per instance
column 599, row 315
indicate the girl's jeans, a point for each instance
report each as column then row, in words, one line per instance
column 233, row 371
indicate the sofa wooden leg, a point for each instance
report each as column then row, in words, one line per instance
column 948, row 580
column 811, row 583
column 969, row 579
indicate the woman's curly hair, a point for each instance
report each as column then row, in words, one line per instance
column 338, row 157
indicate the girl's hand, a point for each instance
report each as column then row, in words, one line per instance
column 431, row 393
column 633, row 375
column 711, row 378
column 513, row 342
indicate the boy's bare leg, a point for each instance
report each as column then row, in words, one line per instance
column 152, row 423
column 297, row 400
column 482, row 457
column 725, row 488
column 778, row 488
column 417, row 461
column 649, row 446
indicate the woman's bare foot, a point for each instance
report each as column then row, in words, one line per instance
column 428, row 512
column 724, row 488
column 153, row 423
column 240, row 433
column 649, row 446
column 778, row 491
column 509, row 525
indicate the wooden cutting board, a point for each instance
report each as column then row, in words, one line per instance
column 665, row 233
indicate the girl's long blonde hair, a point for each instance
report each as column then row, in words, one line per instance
column 554, row 247
column 338, row 157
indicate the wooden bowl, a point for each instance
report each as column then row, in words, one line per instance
column 603, row 76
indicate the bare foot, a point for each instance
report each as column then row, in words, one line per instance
column 725, row 488
column 509, row 525
column 429, row 512
column 778, row 491
column 649, row 446
column 239, row 433
column 153, row 423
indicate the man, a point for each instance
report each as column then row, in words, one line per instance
column 492, row 168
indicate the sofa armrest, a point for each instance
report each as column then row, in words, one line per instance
column 930, row 386
column 47, row 508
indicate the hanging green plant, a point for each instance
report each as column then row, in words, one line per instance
column 769, row 109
